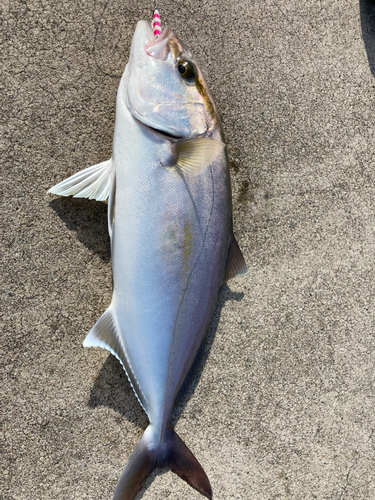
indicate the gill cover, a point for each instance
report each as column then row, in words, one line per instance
column 156, row 94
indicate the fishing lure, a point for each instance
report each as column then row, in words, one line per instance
column 156, row 26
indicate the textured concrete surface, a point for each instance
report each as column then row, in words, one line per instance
column 284, row 405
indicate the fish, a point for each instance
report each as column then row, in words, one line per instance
column 172, row 243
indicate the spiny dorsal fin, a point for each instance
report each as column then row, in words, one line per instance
column 93, row 182
column 235, row 265
column 105, row 334
column 194, row 155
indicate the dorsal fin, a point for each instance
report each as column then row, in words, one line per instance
column 105, row 334
column 235, row 265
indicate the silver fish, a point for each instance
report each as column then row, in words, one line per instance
column 172, row 243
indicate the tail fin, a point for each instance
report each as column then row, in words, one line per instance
column 139, row 466
column 172, row 454
column 182, row 462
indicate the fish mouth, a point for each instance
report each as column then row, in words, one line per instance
column 158, row 46
column 160, row 132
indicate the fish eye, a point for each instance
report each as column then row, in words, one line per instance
column 187, row 70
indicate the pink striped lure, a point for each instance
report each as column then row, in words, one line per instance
column 156, row 26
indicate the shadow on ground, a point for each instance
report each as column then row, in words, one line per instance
column 88, row 219
column 367, row 8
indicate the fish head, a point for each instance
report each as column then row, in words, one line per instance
column 165, row 88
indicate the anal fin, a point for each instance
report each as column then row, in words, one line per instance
column 105, row 333
column 235, row 265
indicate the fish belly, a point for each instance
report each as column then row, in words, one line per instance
column 169, row 245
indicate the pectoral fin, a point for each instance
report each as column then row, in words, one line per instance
column 235, row 265
column 194, row 155
column 93, row 182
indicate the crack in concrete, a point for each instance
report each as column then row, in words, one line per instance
column 354, row 462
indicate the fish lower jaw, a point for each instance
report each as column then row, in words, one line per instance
column 157, row 131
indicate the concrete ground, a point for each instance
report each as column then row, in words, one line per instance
column 284, row 406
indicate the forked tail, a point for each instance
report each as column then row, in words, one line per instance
column 172, row 453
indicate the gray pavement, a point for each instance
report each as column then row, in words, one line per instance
column 284, row 405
